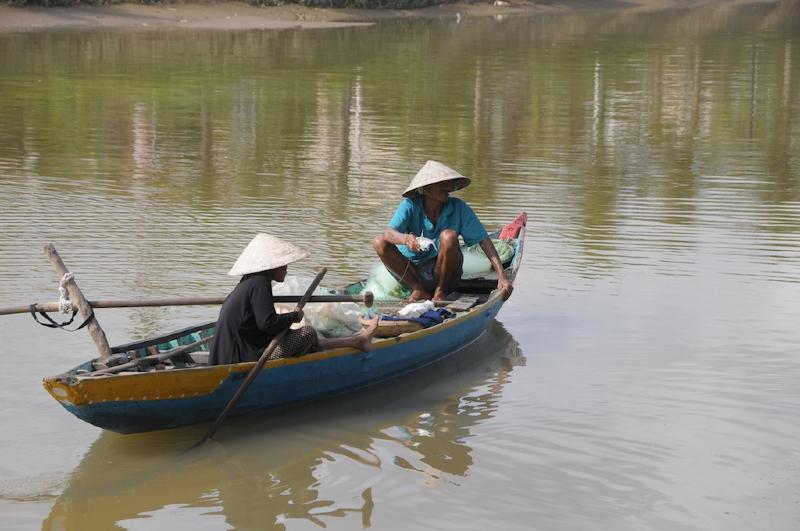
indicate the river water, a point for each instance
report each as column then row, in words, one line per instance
column 644, row 375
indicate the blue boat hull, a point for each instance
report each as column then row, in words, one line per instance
column 299, row 380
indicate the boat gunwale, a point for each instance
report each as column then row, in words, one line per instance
column 162, row 339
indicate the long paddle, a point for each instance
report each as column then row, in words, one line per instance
column 365, row 297
column 259, row 365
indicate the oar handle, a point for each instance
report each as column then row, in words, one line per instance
column 314, row 283
column 260, row 364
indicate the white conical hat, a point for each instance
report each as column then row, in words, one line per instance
column 265, row 252
column 436, row 172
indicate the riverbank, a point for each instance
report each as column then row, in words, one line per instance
column 240, row 15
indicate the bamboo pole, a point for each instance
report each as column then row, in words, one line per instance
column 365, row 298
column 76, row 295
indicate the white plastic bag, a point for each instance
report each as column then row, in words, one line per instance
column 475, row 263
column 415, row 309
column 331, row 319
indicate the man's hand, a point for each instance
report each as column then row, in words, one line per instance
column 504, row 284
column 502, row 280
column 300, row 314
column 412, row 243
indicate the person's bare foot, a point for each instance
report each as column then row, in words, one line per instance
column 439, row 295
column 364, row 338
column 419, row 295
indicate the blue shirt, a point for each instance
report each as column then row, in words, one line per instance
column 410, row 218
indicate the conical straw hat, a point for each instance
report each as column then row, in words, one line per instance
column 436, row 172
column 265, row 252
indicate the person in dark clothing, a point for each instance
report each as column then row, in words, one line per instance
column 248, row 320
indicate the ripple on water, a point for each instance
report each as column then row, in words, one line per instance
column 657, row 303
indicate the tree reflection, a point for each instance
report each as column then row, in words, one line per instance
column 273, row 468
column 593, row 110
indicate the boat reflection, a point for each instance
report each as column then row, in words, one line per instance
column 308, row 463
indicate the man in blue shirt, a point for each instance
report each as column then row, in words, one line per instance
column 420, row 246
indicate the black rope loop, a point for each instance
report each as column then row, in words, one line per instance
column 62, row 326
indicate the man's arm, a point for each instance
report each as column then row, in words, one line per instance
column 491, row 253
column 398, row 238
column 473, row 231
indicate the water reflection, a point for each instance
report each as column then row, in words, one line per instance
column 312, row 463
column 622, row 132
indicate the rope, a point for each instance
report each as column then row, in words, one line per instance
column 52, row 324
column 64, row 304
column 408, row 264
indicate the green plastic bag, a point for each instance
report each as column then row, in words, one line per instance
column 477, row 265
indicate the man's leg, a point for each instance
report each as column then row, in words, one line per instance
column 448, row 263
column 401, row 266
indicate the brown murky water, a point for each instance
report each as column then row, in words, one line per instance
column 644, row 375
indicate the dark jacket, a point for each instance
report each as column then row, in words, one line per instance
column 247, row 321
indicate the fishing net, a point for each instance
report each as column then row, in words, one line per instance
column 330, row 319
column 384, row 285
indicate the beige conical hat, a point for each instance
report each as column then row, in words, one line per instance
column 436, row 172
column 265, row 252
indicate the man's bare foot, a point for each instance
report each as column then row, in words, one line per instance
column 419, row 295
column 363, row 339
column 439, row 295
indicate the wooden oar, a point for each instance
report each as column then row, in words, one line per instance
column 260, row 364
column 366, row 298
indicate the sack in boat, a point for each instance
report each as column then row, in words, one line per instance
column 330, row 319
column 477, row 265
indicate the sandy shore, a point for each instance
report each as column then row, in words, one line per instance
column 240, row 15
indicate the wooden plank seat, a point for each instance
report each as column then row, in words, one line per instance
column 393, row 328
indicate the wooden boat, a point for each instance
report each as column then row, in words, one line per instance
column 151, row 395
